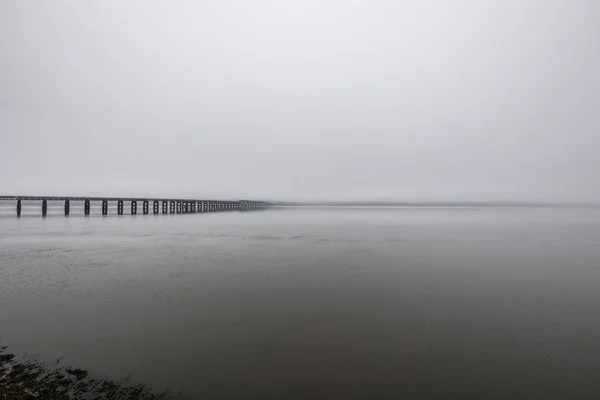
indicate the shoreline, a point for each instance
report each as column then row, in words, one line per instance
column 29, row 379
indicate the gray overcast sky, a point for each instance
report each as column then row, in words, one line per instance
column 302, row 99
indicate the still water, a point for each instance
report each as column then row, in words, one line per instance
column 348, row 303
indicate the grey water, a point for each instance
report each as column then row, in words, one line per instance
column 313, row 303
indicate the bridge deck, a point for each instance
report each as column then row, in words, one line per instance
column 97, row 198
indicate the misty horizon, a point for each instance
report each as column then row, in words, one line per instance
column 302, row 101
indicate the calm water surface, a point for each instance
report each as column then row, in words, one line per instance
column 409, row 303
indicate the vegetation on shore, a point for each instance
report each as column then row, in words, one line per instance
column 28, row 380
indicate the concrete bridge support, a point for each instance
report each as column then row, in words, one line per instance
column 155, row 207
column 67, row 207
column 133, row 207
column 44, row 208
column 86, row 207
column 104, row 207
column 120, row 207
column 145, row 207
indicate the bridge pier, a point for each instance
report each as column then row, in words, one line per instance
column 86, row 207
column 155, row 207
column 133, row 207
column 145, row 207
column 44, row 208
column 120, row 207
column 179, row 207
column 67, row 207
column 172, row 207
column 104, row 207
column 165, row 207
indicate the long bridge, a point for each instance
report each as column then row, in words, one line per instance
column 159, row 205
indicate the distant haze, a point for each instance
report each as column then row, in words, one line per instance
column 302, row 100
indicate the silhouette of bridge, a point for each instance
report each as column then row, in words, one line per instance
column 159, row 205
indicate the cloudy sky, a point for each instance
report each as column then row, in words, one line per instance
column 302, row 99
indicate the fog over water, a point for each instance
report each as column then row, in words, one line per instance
column 294, row 100
column 419, row 303
column 427, row 102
